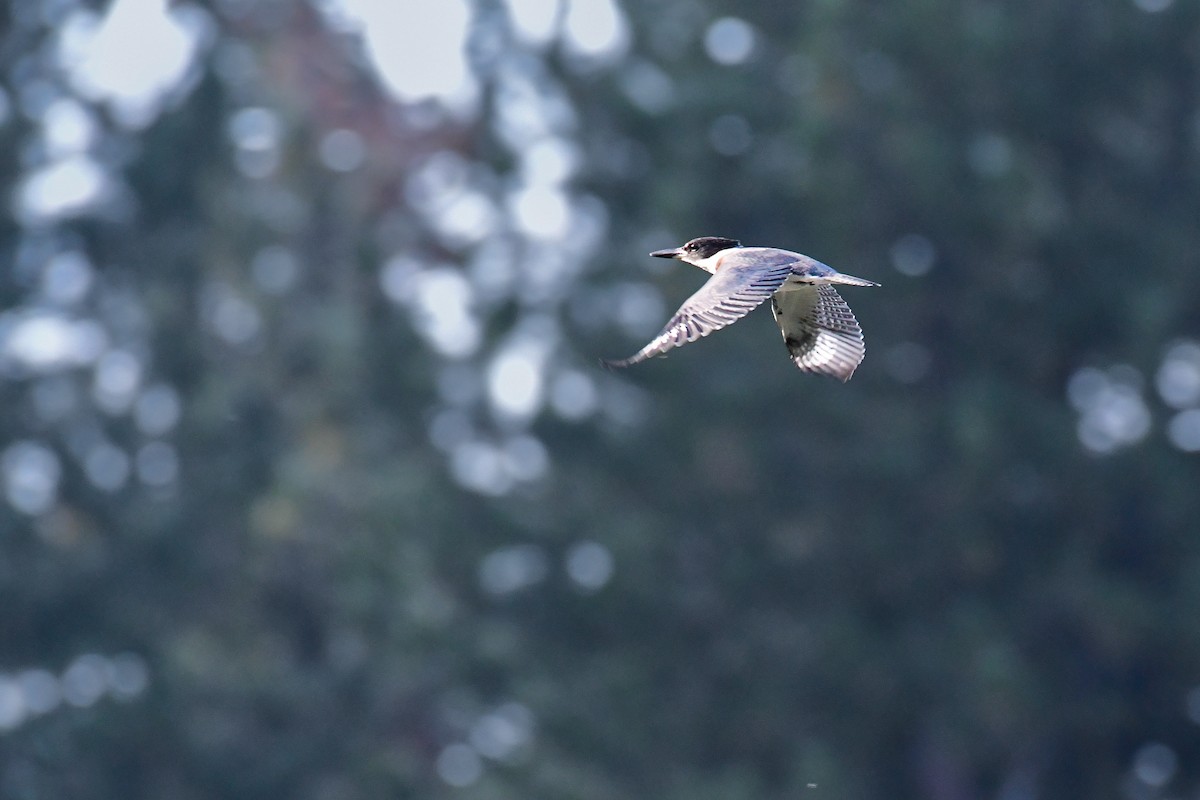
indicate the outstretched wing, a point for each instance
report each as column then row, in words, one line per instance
column 733, row 292
column 820, row 331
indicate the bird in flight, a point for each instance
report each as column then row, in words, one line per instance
column 818, row 327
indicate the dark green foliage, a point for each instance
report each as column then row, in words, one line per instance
column 920, row 584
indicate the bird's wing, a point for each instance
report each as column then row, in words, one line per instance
column 820, row 331
column 735, row 290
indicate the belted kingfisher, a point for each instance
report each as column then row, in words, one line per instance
column 818, row 327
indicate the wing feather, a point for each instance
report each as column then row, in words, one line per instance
column 733, row 292
column 820, row 331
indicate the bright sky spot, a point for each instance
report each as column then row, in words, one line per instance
column 83, row 681
column 467, row 218
column 398, row 278
column 257, row 133
column 230, row 315
column 64, row 188
column 650, row 88
column 573, row 396
column 542, row 212
column 107, row 467
column 67, row 277
column 590, row 565
column 443, row 189
column 437, row 181
column 510, row 569
column 418, row 48
column 552, row 160
column 500, row 733
column 1192, row 704
column 529, row 105
column 342, row 150
column 41, row 690
column 479, row 466
column 157, row 410
column 118, row 372
column 1112, row 412
column 134, row 56
column 729, row 41
column 526, row 458
column 595, row 29
column 68, row 128
column 117, row 380
column 127, row 676
column 1184, row 430
column 448, row 326
column 34, row 692
column 440, row 299
column 255, row 128
column 1084, row 387
column 459, row 765
column 31, row 473
column 275, row 269
column 48, row 342
column 256, row 164
column 1155, row 764
column 913, row 255
column 534, row 21
column 493, row 267
column 1178, row 378
column 12, row 704
column 515, row 381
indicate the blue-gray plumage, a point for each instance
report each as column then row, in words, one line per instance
column 818, row 327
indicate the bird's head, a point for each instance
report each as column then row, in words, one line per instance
column 698, row 249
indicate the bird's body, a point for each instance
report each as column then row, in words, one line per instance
column 818, row 327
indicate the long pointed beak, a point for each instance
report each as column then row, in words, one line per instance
column 674, row 252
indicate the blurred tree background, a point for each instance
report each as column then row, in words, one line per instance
column 312, row 487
